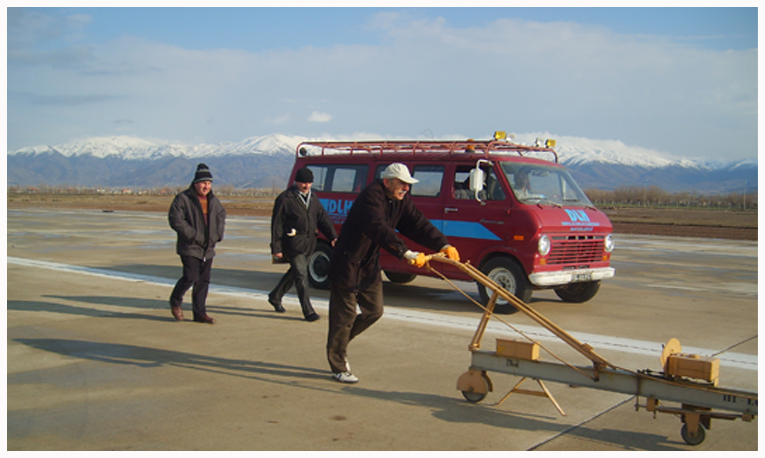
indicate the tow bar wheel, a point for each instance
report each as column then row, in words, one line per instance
column 692, row 439
column 474, row 385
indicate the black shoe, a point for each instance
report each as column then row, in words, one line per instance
column 312, row 317
column 277, row 305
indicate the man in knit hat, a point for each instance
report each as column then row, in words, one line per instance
column 297, row 214
column 199, row 219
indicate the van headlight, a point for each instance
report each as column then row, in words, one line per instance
column 609, row 243
column 543, row 246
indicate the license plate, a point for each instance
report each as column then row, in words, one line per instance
column 583, row 277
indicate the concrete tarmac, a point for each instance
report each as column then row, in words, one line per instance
column 96, row 361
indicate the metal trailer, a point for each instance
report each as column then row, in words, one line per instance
column 697, row 394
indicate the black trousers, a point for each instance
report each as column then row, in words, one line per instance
column 345, row 323
column 297, row 275
column 196, row 274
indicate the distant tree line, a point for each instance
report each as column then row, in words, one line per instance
column 654, row 196
column 635, row 196
column 222, row 190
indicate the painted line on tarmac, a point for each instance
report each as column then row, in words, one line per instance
column 631, row 346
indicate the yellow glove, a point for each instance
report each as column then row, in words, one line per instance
column 450, row 253
column 415, row 259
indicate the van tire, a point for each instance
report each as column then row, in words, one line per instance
column 578, row 292
column 398, row 277
column 318, row 266
column 508, row 274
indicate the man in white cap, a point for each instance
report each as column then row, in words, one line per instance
column 381, row 209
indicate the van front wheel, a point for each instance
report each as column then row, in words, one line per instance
column 318, row 266
column 509, row 275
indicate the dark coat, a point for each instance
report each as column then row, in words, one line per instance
column 372, row 223
column 290, row 214
column 195, row 238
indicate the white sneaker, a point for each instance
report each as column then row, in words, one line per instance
column 345, row 377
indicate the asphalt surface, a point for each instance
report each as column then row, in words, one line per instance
column 96, row 361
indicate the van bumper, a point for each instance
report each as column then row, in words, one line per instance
column 564, row 277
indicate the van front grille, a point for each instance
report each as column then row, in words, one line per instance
column 576, row 249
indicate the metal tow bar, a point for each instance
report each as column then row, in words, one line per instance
column 686, row 379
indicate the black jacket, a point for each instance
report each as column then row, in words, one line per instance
column 195, row 238
column 293, row 226
column 372, row 223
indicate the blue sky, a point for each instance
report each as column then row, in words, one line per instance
column 679, row 81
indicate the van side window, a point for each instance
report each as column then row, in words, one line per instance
column 492, row 187
column 339, row 178
column 319, row 177
column 349, row 178
column 430, row 179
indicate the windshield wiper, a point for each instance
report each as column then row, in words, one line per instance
column 543, row 199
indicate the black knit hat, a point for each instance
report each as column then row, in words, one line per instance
column 304, row 175
column 203, row 174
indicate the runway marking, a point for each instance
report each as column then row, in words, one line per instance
column 630, row 346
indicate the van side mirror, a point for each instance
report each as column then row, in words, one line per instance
column 476, row 181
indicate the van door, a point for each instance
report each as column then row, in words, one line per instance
column 475, row 221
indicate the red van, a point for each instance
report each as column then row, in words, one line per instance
column 510, row 209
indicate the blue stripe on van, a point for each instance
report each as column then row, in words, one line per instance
column 466, row 229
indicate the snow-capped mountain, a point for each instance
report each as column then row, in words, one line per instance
column 266, row 162
column 131, row 148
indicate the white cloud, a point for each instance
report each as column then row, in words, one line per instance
column 319, row 117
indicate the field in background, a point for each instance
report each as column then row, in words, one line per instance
column 723, row 224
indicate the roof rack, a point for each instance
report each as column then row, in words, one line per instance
column 482, row 148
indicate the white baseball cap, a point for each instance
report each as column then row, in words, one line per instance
column 399, row 170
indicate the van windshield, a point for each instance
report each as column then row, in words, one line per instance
column 536, row 183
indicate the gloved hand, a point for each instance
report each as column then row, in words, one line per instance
column 450, row 252
column 415, row 258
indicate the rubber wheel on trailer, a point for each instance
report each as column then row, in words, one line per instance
column 473, row 396
column 700, row 435
column 318, row 266
column 578, row 292
column 509, row 275
column 398, row 277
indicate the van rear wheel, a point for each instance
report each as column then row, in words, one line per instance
column 509, row 275
column 398, row 277
column 318, row 266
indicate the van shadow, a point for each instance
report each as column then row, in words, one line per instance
column 400, row 295
column 437, row 299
